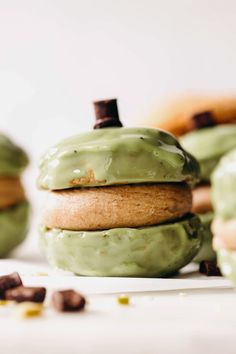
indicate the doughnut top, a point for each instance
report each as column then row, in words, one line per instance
column 116, row 156
column 208, row 145
column 13, row 159
column 224, row 187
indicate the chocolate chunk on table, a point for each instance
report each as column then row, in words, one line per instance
column 202, row 120
column 209, row 268
column 22, row 294
column 68, row 300
column 107, row 115
column 8, row 282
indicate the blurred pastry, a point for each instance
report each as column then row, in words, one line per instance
column 224, row 225
column 14, row 208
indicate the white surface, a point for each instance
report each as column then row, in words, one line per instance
column 188, row 314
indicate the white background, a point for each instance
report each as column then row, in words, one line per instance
column 57, row 56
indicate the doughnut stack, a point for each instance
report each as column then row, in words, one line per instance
column 118, row 201
column 14, row 208
column 206, row 127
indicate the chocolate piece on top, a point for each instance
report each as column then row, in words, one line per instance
column 22, row 294
column 202, row 120
column 209, row 268
column 107, row 115
column 68, row 300
column 8, row 282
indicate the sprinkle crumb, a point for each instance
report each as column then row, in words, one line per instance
column 182, row 294
column 28, row 310
column 123, row 300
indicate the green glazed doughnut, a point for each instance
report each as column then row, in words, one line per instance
column 208, row 145
column 13, row 159
column 224, row 187
column 206, row 252
column 142, row 252
column 13, row 227
column 116, row 156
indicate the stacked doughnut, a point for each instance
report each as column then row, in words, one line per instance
column 118, row 203
column 14, row 208
column 207, row 129
column 224, row 224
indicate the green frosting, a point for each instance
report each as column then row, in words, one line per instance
column 208, row 145
column 142, row 252
column 227, row 262
column 12, row 158
column 13, row 227
column 116, row 156
column 224, row 187
column 206, row 252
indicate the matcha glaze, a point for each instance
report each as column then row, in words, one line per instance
column 149, row 251
column 116, row 156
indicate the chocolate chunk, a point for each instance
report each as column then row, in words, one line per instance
column 68, row 300
column 22, row 294
column 209, row 268
column 107, row 115
column 8, row 282
column 202, row 120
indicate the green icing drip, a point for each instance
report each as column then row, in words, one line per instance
column 146, row 252
column 12, row 158
column 13, row 227
column 117, row 156
column 206, row 252
column 208, row 145
column 224, row 187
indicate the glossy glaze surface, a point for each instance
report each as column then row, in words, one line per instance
column 116, row 156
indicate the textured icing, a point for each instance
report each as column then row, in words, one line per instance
column 13, row 227
column 224, row 187
column 206, row 252
column 116, row 156
column 12, row 158
column 149, row 251
column 208, row 145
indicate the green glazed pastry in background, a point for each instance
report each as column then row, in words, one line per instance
column 110, row 159
column 208, row 145
column 14, row 208
column 224, row 225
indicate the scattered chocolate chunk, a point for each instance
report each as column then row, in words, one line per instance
column 209, row 268
column 68, row 300
column 107, row 115
column 9, row 281
column 202, row 120
column 22, row 294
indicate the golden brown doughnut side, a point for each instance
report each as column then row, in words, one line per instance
column 117, row 206
column 176, row 115
column 202, row 199
column 11, row 191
